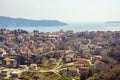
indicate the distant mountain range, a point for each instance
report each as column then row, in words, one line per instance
column 9, row 22
column 113, row 22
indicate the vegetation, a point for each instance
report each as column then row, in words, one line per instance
column 84, row 41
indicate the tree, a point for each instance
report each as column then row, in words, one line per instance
column 2, row 37
column 115, row 52
column 84, row 41
column 83, row 75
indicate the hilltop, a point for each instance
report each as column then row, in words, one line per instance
column 8, row 22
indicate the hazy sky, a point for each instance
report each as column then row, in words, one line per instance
column 64, row 10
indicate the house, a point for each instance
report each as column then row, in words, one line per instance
column 15, row 74
column 52, row 60
column 69, row 58
column 5, row 73
column 77, row 44
column 25, row 51
column 69, row 52
column 33, row 67
column 13, row 63
column 97, row 57
column 91, row 47
column 105, row 52
column 36, row 76
column 98, row 38
column 7, row 62
column 98, row 50
column 69, row 31
column 39, row 50
column 52, row 36
column 98, row 64
column 10, row 36
column 83, row 69
column 85, row 54
column 59, row 53
column 72, row 71
column 81, row 62
column 23, row 66
column 2, row 52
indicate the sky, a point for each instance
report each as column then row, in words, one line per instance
column 63, row 10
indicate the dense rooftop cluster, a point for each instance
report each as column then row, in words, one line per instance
column 80, row 55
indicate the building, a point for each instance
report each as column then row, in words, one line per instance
column 36, row 76
column 72, row 71
column 82, row 62
column 5, row 73
column 33, row 67
column 7, row 62
column 15, row 74
column 23, row 67
column 69, row 58
column 2, row 52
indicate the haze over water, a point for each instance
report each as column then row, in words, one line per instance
column 76, row 27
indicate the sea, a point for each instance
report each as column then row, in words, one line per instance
column 76, row 27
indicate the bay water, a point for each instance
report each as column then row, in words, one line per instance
column 76, row 27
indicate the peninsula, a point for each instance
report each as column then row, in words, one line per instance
column 8, row 22
column 113, row 22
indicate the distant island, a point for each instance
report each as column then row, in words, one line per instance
column 9, row 22
column 113, row 22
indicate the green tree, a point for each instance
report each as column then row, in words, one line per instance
column 84, row 41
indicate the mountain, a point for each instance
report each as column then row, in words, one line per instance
column 8, row 22
column 113, row 22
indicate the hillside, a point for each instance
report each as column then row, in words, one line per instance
column 9, row 22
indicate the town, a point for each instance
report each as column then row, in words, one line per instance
column 60, row 55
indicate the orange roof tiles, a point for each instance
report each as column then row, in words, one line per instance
column 37, row 75
column 6, row 59
column 81, row 60
column 97, row 61
column 72, row 68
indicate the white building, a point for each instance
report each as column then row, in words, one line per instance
column 2, row 52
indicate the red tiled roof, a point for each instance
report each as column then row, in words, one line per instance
column 2, row 50
column 6, row 59
column 37, row 75
column 81, row 60
column 97, row 61
column 73, row 69
column 98, row 38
